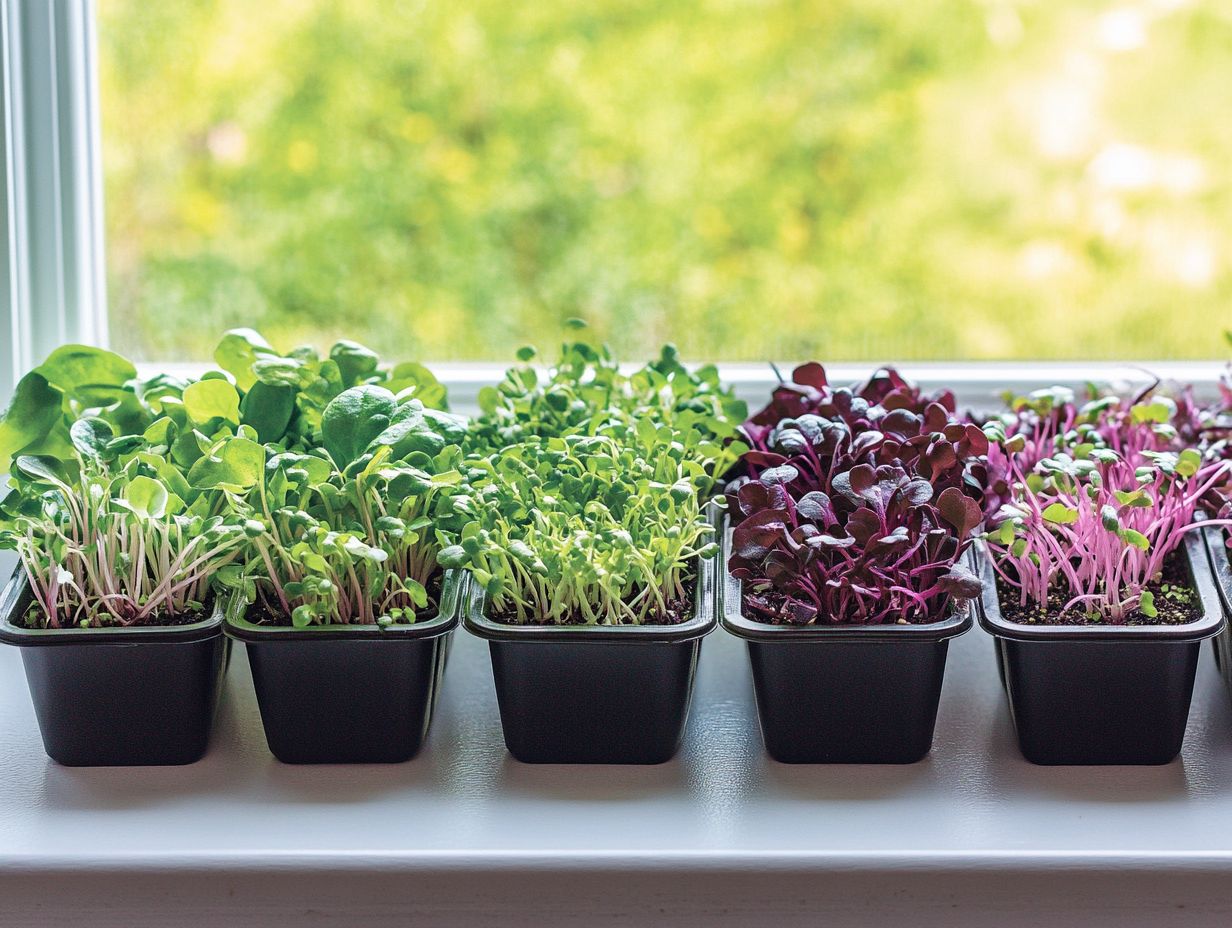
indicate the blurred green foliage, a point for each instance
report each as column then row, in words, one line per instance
column 849, row 179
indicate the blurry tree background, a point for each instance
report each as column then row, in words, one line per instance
column 842, row 179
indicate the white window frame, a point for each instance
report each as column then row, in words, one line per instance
column 52, row 260
column 53, row 269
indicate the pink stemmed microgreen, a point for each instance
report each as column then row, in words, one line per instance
column 104, row 542
column 1097, row 498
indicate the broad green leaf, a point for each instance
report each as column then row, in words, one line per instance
column 285, row 372
column 122, row 445
column 489, row 400
column 90, row 437
column 147, row 497
column 1188, row 462
column 1110, row 519
column 238, row 351
column 45, row 469
column 406, row 418
column 212, row 399
column 1094, row 407
column 186, row 450
column 268, row 409
column 239, row 463
column 1006, row 531
column 1138, row 499
column 449, row 426
column 452, row 556
column 1159, row 409
column 414, row 381
column 647, row 431
column 160, row 431
column 78, row 368
column 55, row 444
column 315, row 470
column 31, row 414
column 419, row 596
column 355, row 362
column 353, row 419
column 1060, row 514
column 171, row 476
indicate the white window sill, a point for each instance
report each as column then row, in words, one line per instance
column 465, row 836
column 977, row 384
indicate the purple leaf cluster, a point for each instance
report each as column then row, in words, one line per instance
column 855, row 505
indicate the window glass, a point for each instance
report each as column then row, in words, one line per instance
column 869, row 179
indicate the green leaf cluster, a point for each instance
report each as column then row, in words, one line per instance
column 114, row 535
column 349, row 532
column 590, row 486
column 132, row 499
column 332, row 489
column 586, row 390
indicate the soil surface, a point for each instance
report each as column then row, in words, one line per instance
column 678, row 612
column 259, row 614
column 34, row 619
column 1176, row 601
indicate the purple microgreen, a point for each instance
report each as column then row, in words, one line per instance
column 854, row 505
column 1093, row 499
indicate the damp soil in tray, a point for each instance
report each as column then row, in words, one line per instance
column 1176, row 602
column 679, row 611
column 259, row 613
column 27, row 620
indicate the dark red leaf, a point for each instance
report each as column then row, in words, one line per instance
column 754, row 497
column 815, row 505
column 785, row 473
column 977, row 441
column 900, row 422
column 960, row 511
column 935, row 417
column 960, row 583
column 864, row 525
column 811, row 374
column 918, row 492
column 759, row 532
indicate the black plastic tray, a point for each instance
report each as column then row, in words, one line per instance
column 1222, row 570
column 349, row 694
column 1101, row 694
column 595, row 694
column 843, row 694
column 119, row 696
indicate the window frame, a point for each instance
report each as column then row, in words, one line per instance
column 53, row 270
column 52, row 267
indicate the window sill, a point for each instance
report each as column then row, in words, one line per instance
column 977, row 384
column 464, row 835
